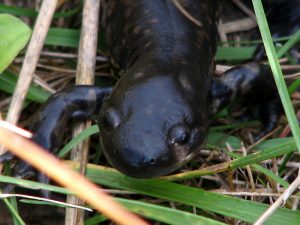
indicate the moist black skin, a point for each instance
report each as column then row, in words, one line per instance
column 157, row 115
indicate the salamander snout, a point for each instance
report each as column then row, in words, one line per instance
column 134, row 164
column 140, row 149
column 150, row 128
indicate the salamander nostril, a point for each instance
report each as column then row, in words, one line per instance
column 153, row 161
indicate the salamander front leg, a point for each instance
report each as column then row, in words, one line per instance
column 75, row 103
column 270, row 115
column 249, row 86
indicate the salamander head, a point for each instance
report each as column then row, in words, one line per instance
column 149, row 128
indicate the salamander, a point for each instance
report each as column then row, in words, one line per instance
column 157, row 116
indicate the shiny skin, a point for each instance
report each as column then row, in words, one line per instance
column 157, row 115
column 250, row 86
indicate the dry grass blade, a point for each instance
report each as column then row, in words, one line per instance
column 281, row 200
column 221, row 167
column 245, row 9
column 253, row 194
column 85, row 75
column 186, row 13
column 59, row 172
column 45, row 200
column 88, row 43
column 15, row 129
column 31, row 58
column 243, row 24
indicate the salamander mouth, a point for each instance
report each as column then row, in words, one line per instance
column 152, row 171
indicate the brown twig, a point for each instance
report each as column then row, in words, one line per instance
column 253, row 194
column 292, row 76
column 222, row 34
column 280, row 201
column 31, row 59
column 85, row 75
column 238, row 25
column 245, row 9
column 248, row 168
column 69, row 56
column 186, row 13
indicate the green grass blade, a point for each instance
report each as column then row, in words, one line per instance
column 228, row 206
column 263, row 170
column 13, row 211
column 285, row 160
column 18, row 11
column 190, row 196
column 219, row 140
column 233, row 126
column 8, row 82
column 267, row 152
column 32, row 185
column 277, row 73
column 166, row 215
column 235, row 53
column 152, row 211
column 271, row 175
column 95, row 220
column 294, row 86
column 79, row 138
column 63, row 37
column 289, row 44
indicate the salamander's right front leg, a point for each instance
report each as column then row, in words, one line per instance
column 249, row 86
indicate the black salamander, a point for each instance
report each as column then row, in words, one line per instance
column 156, row 118
column 157, row 115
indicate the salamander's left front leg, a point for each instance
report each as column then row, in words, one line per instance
column 74, row 103
column 249, row 86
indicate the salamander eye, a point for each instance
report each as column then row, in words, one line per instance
column 179, row 135
column 111, row 119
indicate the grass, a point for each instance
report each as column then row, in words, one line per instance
column 220, row 167
column 275, row 66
